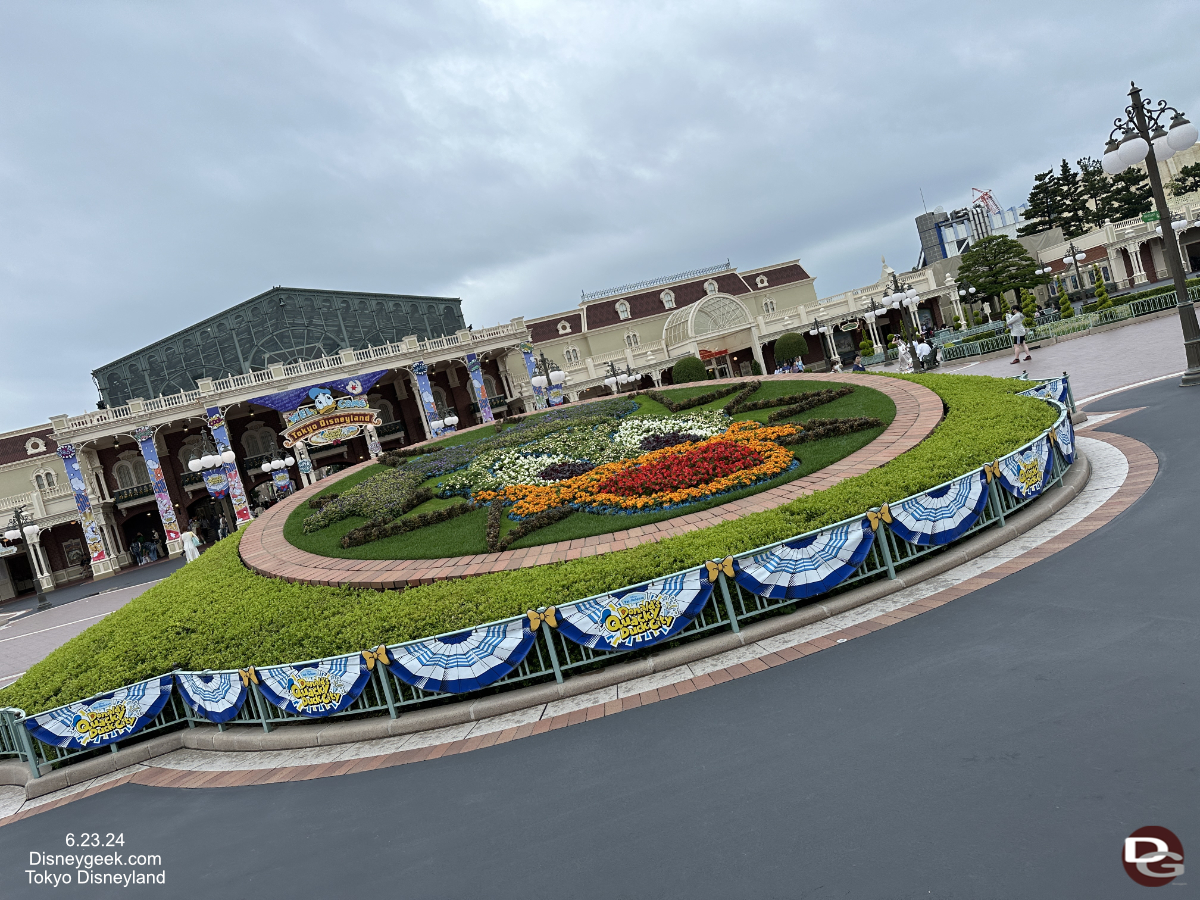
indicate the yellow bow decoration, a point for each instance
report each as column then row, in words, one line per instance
column 248, row 675
column 884, row 515
column 537, row 617
column 379, row 653
column 1054, row 437
column 716, row 568
column 992, row 470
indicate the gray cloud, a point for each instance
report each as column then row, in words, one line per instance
column 160, row 162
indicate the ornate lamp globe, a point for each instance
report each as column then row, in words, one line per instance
column 557, row 377
column 12, row 535
column 228, row 457
column 1182, row 134
column 31, row 532
column 195, row 465
column 1111, row 163
column 1133, row 148
column 290, row 461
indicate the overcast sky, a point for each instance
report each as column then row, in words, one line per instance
column 160, row 162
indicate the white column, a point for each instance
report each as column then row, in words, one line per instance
column 44, row 574
column 756, row 349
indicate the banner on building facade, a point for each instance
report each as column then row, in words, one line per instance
column 216, row 482
column 104, row 719
column 463, row 662
column 637, row 618
column 237, row 491
column 218, row 696
column 285, row 401
column 421, row 371
column 539, row 396
column 166, row 510
column 315, row 689
column 91, row 530
column 807, row 566
column 481, row 395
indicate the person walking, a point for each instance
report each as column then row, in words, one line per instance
column 223, row 527
column 136, row 549
column 150, row 547
column 1015, row 321
column 191, row 546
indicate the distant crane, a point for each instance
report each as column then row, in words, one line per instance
column 986, row 199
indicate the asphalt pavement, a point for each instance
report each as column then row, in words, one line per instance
column 1000, row 746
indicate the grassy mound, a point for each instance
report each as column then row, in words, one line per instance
column 214, row 613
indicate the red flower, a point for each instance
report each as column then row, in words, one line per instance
column 698, row 465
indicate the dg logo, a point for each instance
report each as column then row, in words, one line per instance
column 1153, row 856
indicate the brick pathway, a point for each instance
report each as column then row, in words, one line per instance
column 1142, row 467
column 265, row 550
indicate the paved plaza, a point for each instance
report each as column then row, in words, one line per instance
column 999, row 745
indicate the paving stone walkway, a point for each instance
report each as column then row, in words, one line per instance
column 265, row 550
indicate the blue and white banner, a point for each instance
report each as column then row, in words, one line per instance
column 807, row 566
column 237, row 491
column 943, row 514
column 467, row 661
column 315, row 689
column 425, row 391
column 215, row 695
column 285, row 401
column 637, row 618
column 1024, row 472
column 104, row 719
column 87, row 521
column 1054, row 389
column 475, row 370
column 1064, row 435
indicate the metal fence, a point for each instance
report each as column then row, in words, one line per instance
column 552, row 657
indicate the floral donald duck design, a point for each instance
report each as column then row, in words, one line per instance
column 322, row 398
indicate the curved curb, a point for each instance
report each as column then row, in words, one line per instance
column 265, row 551
column 296, row 737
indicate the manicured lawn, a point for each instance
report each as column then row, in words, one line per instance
column 465, row 535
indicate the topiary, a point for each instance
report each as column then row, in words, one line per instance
column 866, row 348
column 1028, row 306
column 688, row 369
column 1103, row 301
column 755, row 368
column 790, row 347
column 957, row 324
column 1064, row 301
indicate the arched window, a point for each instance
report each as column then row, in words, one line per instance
column 489, row 385
column 571, row 356
column 40, row 484
column 632, row 341
column 385, row 411
column 622, row 309
column 124, row 472
column 50, row 480
column 259, row 441
column 710, row 287
column 439, row 400
column 768, row 306
column 668, row 299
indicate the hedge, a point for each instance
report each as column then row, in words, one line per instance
column 688, row 369
column 214, row 613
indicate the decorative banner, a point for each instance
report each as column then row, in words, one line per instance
column 328, row 421
column 166, row 511
column 1055, row 389
column 556, row 394
column 217, row 483
column 1024, row 472
column 305, row 466
column 476, row 373
column 807, row 566
column 315, row 689
column 1064, row 436
column 237, row 492
column 941, row 515
column 539, row 397
column 91, row 531
column 463, row 662
column 215, row 695
column 104, row 719
column 289, row 400
column 637, row 618
column 283, row 484
column 421, row 371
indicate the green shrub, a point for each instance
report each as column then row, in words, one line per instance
column 789, row 347
column 1064, row 301
column 755, row 368
column 866, row 348
column 1103, row 301
column 688, row 369
column 214, row 613
column 1028, row 306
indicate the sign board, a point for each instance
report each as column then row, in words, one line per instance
column 1151, row 216
column 328, row 421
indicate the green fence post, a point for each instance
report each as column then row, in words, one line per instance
column 387, row 689
column 1070, row 393
column 733, row 622
column 258, row 704
column 558, row 676
column 881, row 537
column 994, row 498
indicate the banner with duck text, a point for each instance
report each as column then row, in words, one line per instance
column 233, row 478
column 1024, row 472
column 476, row 372
column 104, row 719
column 315, row 689
column 539, row 395
column 425, row 392
column 642, row 616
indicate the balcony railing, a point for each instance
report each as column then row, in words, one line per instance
column 134, row 493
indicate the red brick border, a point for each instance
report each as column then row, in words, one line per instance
column 1143, row 468
column 265, row 551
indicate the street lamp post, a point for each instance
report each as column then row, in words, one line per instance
column 968, row 292
column 1075, row 257
column 876, row 311
column 905, row 297
column 548, row 374
column 20, row 527
column 617, row 379
column 1144, row 138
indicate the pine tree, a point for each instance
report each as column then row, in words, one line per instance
column 1028, row 306
column 1094, row 188
column 1186, row 181
column 1044, row 204
column 1064, row 301
column 1130, row 195
column 1072, row 203
column 1103, row 301
column 997, row 264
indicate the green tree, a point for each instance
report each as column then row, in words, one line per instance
column 688, row 369
column 1130, row 195
column 1095, row 188
column 866, row 347
column 1073, row 205
column 1028, row 306
column 1064, row 301
column 1186, row 181
column 790, row 347
column 1044, row 205
column 1103, row 301
column 997, row 264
